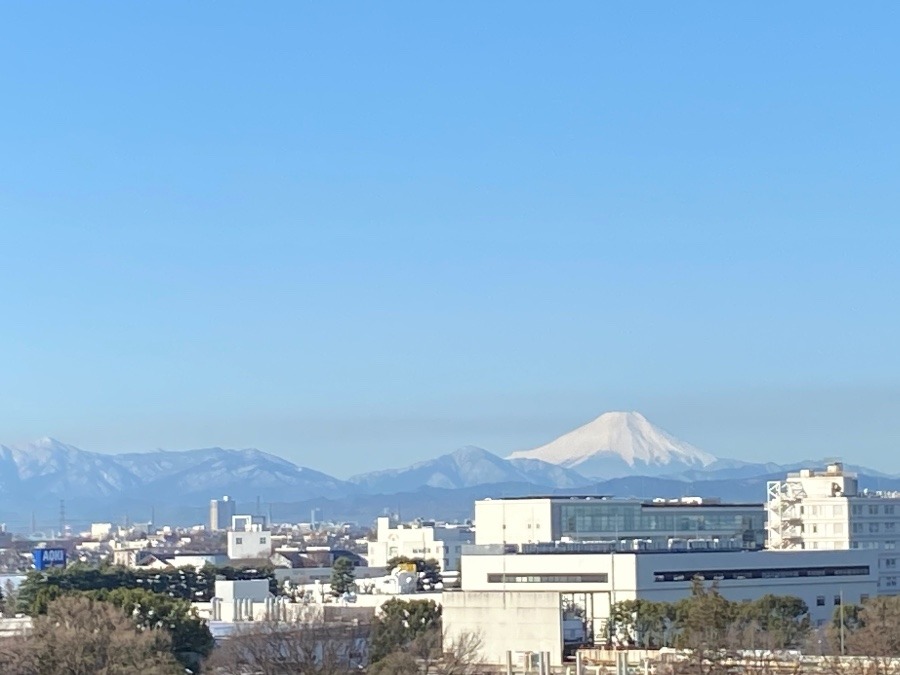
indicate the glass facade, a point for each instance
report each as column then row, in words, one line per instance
column 598, row 520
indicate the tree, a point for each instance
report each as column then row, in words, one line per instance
column 343, row 577
column 429, row 571
column 400, row 623
column 295, row 648
column 783, row 619
column 80, row 636
column 191, row 639
column 872, row 630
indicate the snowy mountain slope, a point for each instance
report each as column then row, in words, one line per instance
column 50, row 468
column 619, row 444
column 468, row 467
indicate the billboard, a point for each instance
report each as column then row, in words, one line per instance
column 49, row 557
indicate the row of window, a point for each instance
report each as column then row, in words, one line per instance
column 768, row 573
column 820, row 600
column 547, row 578
column 874, row 528
column 873, row 509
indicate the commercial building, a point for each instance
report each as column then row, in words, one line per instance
column 532, row 520
column 423, row 539
column 221, row 511
column 552, row 597
column 825, row 510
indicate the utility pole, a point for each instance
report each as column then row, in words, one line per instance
column 842, row 622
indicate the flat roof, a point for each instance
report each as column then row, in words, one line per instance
column 613, row 499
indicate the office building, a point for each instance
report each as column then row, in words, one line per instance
column 221, row 511
column 555, row 597
column 531, row 520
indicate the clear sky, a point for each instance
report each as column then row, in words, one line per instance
column 362, row 235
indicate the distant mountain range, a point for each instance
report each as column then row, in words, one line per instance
column 620, row 454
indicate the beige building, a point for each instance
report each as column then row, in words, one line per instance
column 825, row 510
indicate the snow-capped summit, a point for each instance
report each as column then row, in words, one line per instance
column 617, row 444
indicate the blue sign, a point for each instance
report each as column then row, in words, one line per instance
column 49, row 557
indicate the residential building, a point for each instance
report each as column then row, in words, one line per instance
column 826, row 510
column 421, row 539
column 530, row 520
column 555, row 597
column 247, row 540
column 221, row 511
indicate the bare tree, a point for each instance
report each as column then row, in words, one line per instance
column 295, row 648
column 80, row 636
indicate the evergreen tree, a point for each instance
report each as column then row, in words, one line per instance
column 343, row 578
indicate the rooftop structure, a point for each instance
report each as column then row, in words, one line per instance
column 593, row 518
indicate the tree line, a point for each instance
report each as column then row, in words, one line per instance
column 707, row 619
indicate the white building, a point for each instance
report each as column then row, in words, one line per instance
column 221, row 511
column 418, row 540
column 825, row 510
column 520, row 601
column 528, row 520
column 247, row 539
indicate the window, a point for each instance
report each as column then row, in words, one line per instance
column 888, row 509
column 856, row 510
column 838, row 528
column 889, row 526
column 837, row 510
column 890, row 544
column 890, row 563
column 873, row 528
column 820, row 601
column 238, row 540
column 837, row 599
column 890, row 582
column 873, row 509
column 262, row 540
column 813, row 510
column 857, row 527
column 762, row 573
column 547, row 578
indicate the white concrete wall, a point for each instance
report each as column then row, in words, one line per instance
column 248, row 589
column 518, row 521
column 517, row 622
column 249, row 544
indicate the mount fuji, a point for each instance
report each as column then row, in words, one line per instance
column 620, row 444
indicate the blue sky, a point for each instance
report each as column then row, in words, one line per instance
column 363, row 235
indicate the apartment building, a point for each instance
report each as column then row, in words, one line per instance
column 423, row 539
column 826, row 510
